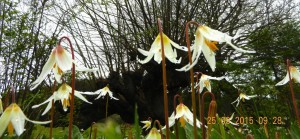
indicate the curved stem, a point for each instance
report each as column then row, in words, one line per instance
column 191, row 74
column 202, row 111
column 288, row 63
column 159, row 126
column 73, row 86
column 164, row 74
column 52, row 110
column 180, row 100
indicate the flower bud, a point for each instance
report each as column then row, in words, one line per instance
column 212, row 110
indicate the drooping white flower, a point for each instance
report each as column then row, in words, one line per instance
column 153, row 134
column 147, row 124
column 60, row 61
column 295, row 75
column 242, row 97
column 155, row 50
column 206, row 40
column 184, row 115
column 205, row 82
column 13, row 118
column 64, row 95
column 103, row 92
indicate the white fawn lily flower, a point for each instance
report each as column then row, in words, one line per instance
column 60, row 61
column 155, row 50
column 205, row 82
column 206, row 40
column 184, row 115
column 14, row 118
column 295, row 74
column 242, row 97
column 153, row 134
column 103, row 92
column 64, row 95
column 147, row 124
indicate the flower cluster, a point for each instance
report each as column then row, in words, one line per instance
column 206, row 40
column 59, row 62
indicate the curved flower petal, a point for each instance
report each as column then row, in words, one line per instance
column 216, row 78
column 284, row 81
column 171, row 121
column 183, row 48
column 210, row 57
column 201, row 86
column 238, row 49
column 48, row 100
column 87, row 93
column 208, row 87
column 147, row 59
column 212, row 34
column 111, row 95
column 57, row 73
column 252, row 96
column 157, row 57
column 143, row 52
column 18, row 120
column 81, row 97
column 45, row 71
column 4, row 120
column 47, row 108
column 1, row 106
column 236, row 100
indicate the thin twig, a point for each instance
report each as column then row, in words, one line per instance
column 73, row 86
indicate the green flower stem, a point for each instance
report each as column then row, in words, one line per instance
column 73, row 87
column 164, row 74
column 288, row 64
column 202, row 111
column 188, row 43
column 52, row 110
